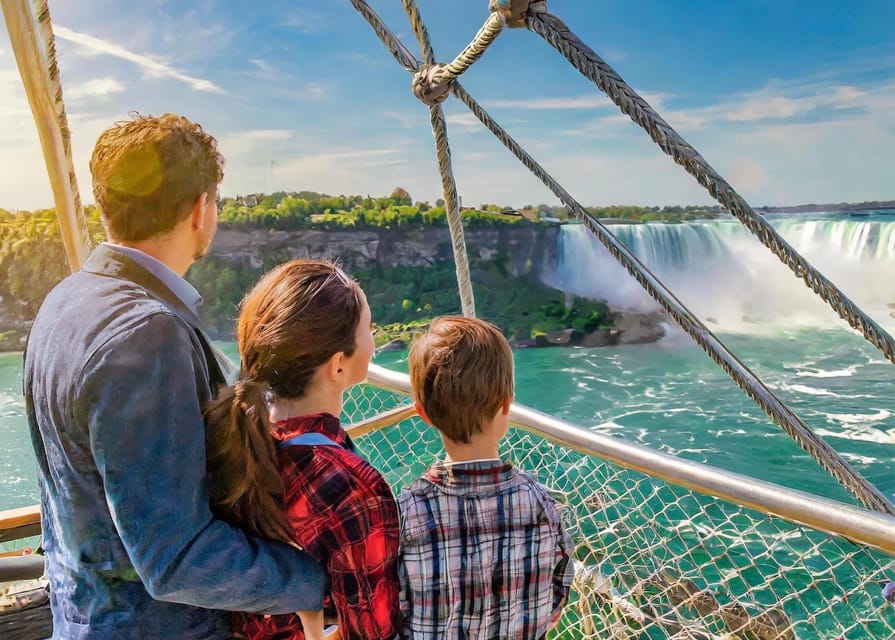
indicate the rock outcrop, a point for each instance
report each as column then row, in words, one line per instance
column 524, row 250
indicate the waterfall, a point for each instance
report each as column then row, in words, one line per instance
column 724, row 274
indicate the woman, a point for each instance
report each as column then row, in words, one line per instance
column 280, row 464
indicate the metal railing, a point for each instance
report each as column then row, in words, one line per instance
column 858, row 525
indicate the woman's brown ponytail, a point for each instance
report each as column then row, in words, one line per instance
column 296, row 318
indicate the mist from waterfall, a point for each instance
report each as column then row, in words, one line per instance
column 729, row 279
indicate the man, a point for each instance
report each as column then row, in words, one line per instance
column 116, row 373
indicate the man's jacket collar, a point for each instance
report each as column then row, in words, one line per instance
column 107, row 262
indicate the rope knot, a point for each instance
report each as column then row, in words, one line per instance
column 515, row 11
column 428, row 85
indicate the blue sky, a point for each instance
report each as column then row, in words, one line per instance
column 792, row 101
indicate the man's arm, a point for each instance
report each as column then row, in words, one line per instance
column 140, row 396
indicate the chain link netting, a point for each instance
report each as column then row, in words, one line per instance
column 14, row 547
column 654, row 560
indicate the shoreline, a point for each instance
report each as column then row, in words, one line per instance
column 628, row 328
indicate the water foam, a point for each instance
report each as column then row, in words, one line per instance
column 836, row 373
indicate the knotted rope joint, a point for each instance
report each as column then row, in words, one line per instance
column 429, row 86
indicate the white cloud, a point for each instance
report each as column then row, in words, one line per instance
column 464, row 122
column 338, row 171
column 23, row 178
column 787, row 101
column 548, row 104
column 406, row 119
column 279, row 80
column 315, row 91
column 265, row 70
column 244, row 142
column 785, row 143
column 846, row 95
column 152, row 66
column 769, row 108
column 593, row 178
column 683, row 121
column 96, row 88
column 305, row 22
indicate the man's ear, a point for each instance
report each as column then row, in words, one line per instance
column 422, row 413
column 197, row 213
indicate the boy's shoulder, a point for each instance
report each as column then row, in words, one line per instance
column 537, row 489
column 429, row 486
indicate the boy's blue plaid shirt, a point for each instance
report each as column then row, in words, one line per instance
column 484, row 554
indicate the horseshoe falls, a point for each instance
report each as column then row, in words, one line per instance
column 729, row 279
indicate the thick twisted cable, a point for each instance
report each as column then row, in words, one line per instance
column 390, row 40
column 452, row 205
column 409, row 62
column 828, row 458
column 744, row 378
column 583, row 58
column 448, row 183
column 474, row 50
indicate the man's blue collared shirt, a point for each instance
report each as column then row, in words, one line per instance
column 184, row 291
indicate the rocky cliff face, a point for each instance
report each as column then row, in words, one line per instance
column 525, row 250
column 500, row 257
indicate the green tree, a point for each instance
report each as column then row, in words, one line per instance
column 400, row 196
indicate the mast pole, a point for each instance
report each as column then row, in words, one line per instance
column 35, row 58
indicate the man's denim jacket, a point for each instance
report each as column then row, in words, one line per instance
column 115, row 376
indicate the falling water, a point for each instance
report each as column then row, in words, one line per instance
column 726, row 276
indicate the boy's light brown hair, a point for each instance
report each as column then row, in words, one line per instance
column 461, row 372
column 148, row 173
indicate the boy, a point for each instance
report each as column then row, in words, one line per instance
column 483, row 553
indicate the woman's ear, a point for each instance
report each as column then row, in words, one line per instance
column 335, row 366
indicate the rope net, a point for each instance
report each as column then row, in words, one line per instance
column 654, row 560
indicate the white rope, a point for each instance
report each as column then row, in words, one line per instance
column 448, row 184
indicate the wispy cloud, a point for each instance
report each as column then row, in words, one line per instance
column 545, row 104
column 96, row 88
column 463, row 121
column 405, row 119
column 25, row 173
column 244, row 142
column 263, row 69
column 152, row 66
column 776, row 102
column 772, row 103
column 344, row 170
column 315, row 91
column 283, row 82
column 305, row 22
